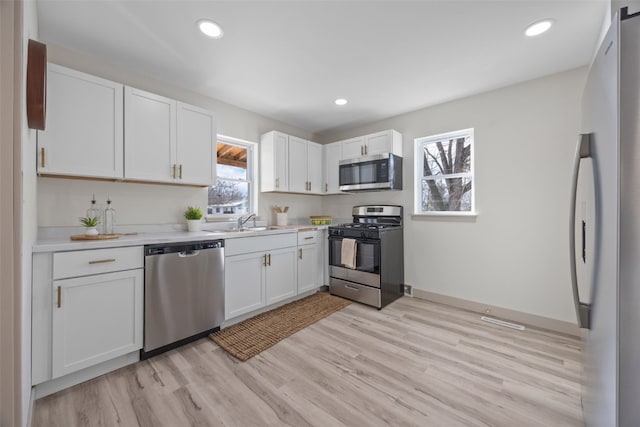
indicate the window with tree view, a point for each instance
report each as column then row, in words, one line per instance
column 444, row 173
column 232, row 194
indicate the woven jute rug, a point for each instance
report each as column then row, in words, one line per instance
column 248, row 338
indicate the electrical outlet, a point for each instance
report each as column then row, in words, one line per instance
column 408, row 290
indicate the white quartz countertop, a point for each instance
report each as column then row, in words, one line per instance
column 55, row 244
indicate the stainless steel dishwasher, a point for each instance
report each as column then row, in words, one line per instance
column 183, row 293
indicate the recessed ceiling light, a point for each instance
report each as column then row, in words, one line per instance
column 210, row 28
column 341, row 101
column 538, row 28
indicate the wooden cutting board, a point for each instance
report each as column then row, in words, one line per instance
column 96, row 237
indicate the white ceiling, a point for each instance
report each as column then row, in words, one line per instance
column 290, row 60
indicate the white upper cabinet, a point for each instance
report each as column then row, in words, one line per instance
column 150, row 135
column 290, row 164
column 83, row 135
column 274, row 162
column 196, row 155
column 388, row 141
column 315, row 169
column 332, row 157
column 298, row 182
column 352, row 148
column 168, row 141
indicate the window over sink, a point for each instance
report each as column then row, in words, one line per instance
column 234, row 193
column 444, row 174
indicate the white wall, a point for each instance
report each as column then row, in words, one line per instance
column 28, row 210
column 62, row 201
column 514, row 254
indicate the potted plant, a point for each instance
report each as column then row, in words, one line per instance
column 194, row 216
column 90, row 223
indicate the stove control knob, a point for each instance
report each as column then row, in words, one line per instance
column 363, row 234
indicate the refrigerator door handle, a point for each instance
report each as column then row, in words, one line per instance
column 583, row 150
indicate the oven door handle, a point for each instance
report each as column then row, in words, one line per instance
column 358, row 239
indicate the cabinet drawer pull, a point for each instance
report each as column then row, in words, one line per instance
column 351, row 288
column 264, row 262
column 180, row 173
column 269, row 262
column 300, row 253
column 102, row 261
column 326, row 187
column 308, row 238
column 174, row 171
column 42, row 162
column 59, row 296
column 366, row 150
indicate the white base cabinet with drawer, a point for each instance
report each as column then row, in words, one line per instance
column 87, row 314
column 259, row 271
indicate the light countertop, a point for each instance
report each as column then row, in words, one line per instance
column 53, row 244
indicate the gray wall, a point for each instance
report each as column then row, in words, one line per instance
column 514, row 253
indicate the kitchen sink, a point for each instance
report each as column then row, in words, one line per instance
column 237, row 230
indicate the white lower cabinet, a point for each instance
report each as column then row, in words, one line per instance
column 96, row 318
column 259, row 271
column 87, row 314
column 280, row 275
column 244, row 284
column 307, row 266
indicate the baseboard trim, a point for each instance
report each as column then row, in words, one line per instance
column 502, row 313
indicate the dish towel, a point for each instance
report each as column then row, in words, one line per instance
column 348, row 253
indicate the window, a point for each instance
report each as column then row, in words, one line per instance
column 234, row 192
column 444, row 174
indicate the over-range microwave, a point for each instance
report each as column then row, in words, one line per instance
column 371, row 173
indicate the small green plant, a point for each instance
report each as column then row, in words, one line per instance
column 193, row 212
column 90, row 221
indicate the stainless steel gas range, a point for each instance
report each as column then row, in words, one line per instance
column 375, row 274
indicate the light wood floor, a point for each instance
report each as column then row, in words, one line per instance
column 414, row 363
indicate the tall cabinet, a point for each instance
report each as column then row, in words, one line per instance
column 84, row 131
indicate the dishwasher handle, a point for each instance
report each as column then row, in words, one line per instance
column 188, row 254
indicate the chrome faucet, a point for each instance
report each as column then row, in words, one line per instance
column 242, row 221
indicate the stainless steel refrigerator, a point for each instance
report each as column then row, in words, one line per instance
column 605, row 229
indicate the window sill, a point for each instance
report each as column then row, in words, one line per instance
column 445, row 214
